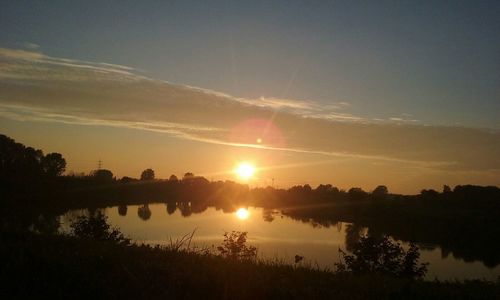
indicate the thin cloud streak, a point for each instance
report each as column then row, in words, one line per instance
column 36, row 87
column 23, row 113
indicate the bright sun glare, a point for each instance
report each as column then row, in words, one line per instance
column 242, row 213
column 245, row 171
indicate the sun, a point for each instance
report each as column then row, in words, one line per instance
column 245, row 171
column 242, row 213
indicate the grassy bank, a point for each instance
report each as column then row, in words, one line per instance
column 63, row 267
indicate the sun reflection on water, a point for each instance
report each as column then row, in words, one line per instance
column 242, row 214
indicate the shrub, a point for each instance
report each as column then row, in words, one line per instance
column 96, row 227
column 234, row 246
column 382, row 256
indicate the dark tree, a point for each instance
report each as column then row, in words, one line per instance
column 148, row 174
column 20, row 164
column 96, row 227
column 53, row 164
column 380, row 192
column 31, row 162
column 46, row 223
column 103, row 175
column 126, row 179
column 356, row 194
column 173, row 178
column 326, row 188
column 188, row 176
column 429, row 195
column 382, row 256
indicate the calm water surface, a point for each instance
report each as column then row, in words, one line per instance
column 275, row 235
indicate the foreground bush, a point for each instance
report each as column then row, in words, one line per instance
column 384, row 257
column 96, row 227
column 59, row 267
column 235, row 246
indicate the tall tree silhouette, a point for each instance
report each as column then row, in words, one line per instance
column 148, row 174
column 20, row 164
column 53, row 164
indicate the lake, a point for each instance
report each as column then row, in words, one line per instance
column 275, row 235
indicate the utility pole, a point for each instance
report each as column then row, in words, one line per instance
column 99, row 164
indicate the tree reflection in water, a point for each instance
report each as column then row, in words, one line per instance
column 144, row 212
column 122, row 210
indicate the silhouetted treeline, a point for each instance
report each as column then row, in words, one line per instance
column 463, row 220
column 24, row 167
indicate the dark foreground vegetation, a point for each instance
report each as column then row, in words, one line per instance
column 37, row 265
column 99, row 262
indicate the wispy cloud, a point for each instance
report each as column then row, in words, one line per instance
column 37, row 87
column 302, row 107
column 31, row 46
column 402, row 120
column 23, row 62
column 280, row 103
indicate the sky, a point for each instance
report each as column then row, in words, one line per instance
column 401, row 93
